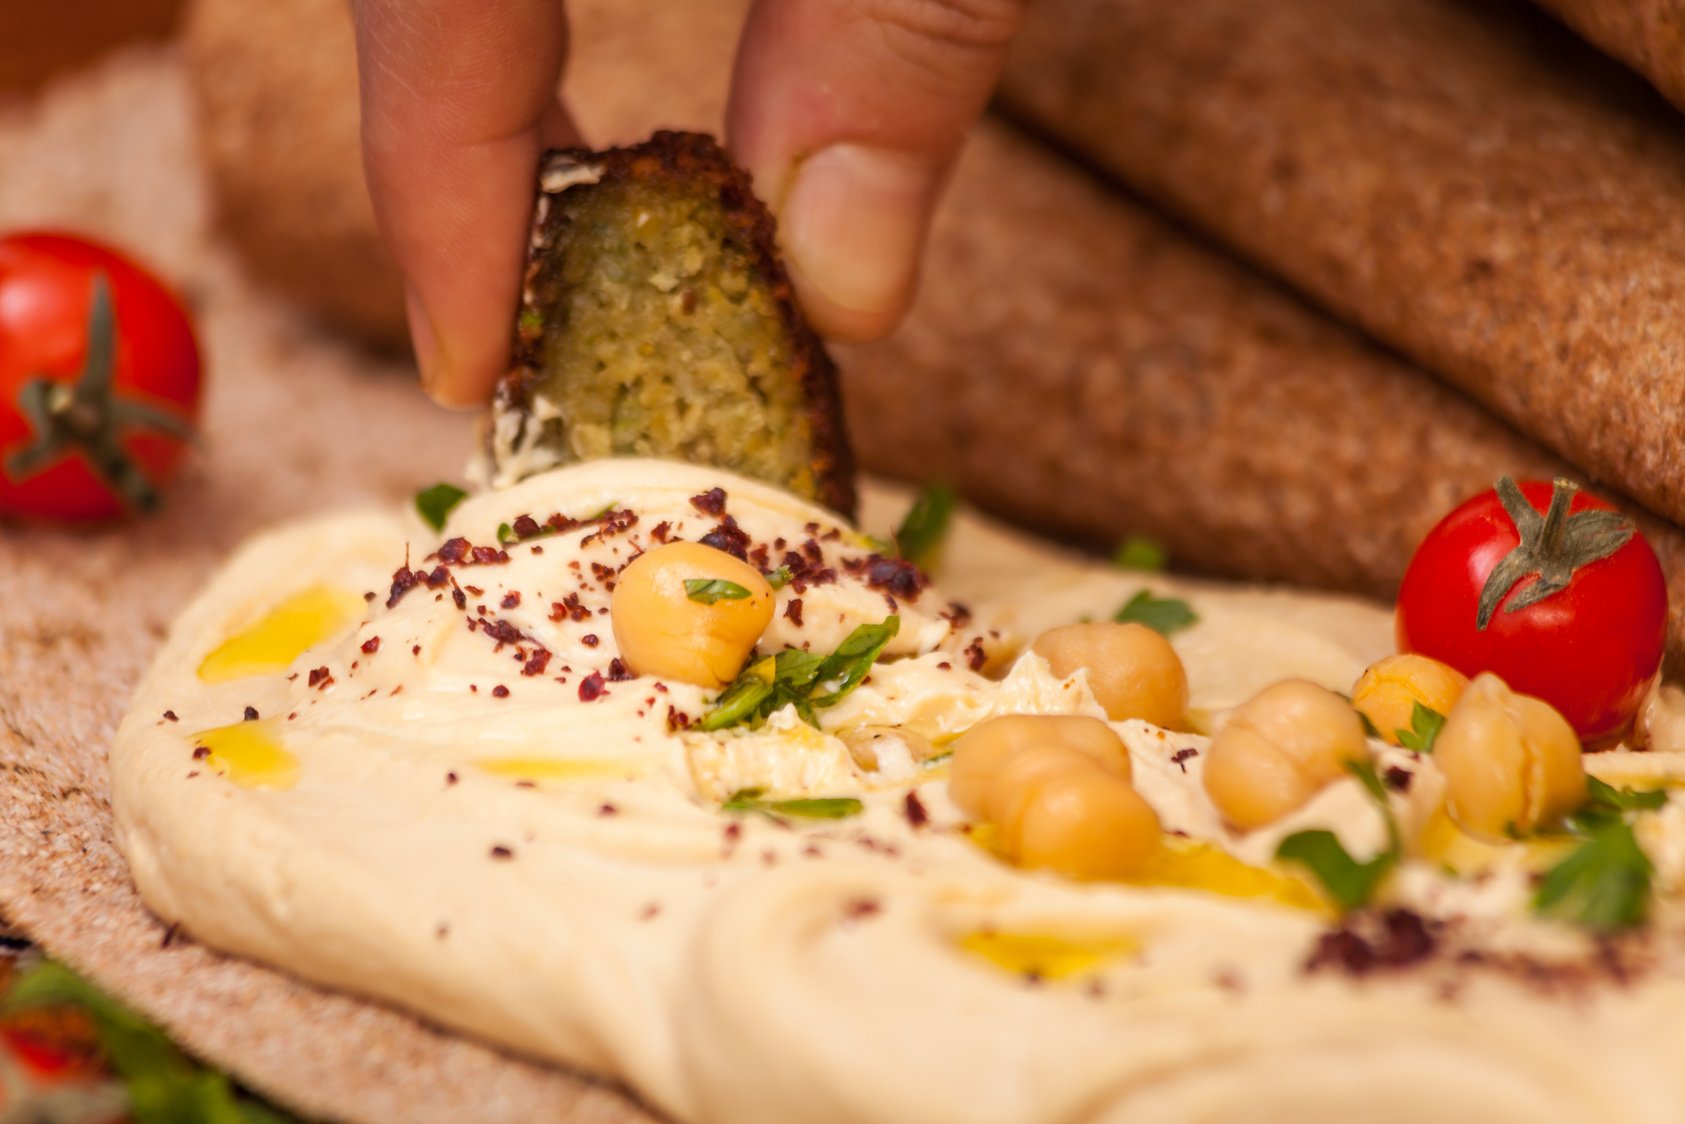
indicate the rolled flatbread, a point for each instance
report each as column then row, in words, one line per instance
column 1468, row 182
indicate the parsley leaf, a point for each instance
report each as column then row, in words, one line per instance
column 778, row 578
column 710, row 590
column 1425, row 724
column 1138, row 552
column 1604, row 798
column 1162, row 614
column 813, row 808
column 1603, row 884
column 162, row 1083
column 506, row 535
column 797, row 678
column 1347, row 881
column 435, row 504
column 925, row 525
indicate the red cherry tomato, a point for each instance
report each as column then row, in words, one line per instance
column 1576, row 616
column 99, row 380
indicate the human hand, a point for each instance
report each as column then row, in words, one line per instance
column 847, row 113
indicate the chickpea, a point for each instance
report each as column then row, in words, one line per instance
column 1085, row 823
column 981, row 751
column 1278, row 749
column 1510, row 761
column 1132, row 669
column 1389, row 689
column 662, row 631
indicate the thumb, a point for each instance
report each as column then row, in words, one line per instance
column 848, row 114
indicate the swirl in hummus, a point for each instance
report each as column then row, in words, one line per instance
column 443, row 788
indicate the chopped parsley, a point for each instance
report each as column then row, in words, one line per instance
column 812, row 808
column 709, row 590
column 778, row 578
column 1425, row 724
column 925, row 525
column 806, row 680
column 1138, row 552
column 1351, row 883
column 435, row 504
column 1161, row 614
column 1604, row 883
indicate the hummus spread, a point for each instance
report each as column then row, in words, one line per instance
column 441, row 788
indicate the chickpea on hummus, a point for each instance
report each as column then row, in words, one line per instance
column 658, row 772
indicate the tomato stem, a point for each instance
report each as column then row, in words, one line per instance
column 88, row 416
column 1553, row 547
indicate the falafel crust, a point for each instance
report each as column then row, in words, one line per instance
column 657, row 320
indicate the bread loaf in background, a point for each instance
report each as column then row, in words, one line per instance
column 1464, row 180
column 1647, row 35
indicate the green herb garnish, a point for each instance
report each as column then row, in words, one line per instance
column 1425, row 724
column 435, row 504
column 1162, row 614
column 710, row 590
column 800, row 679
column 925, row 525
column 812, row 808
column 1603, row 884
column 1138, row 552
column 506, row 535
column 1349, row 882
column 779, row 578
column 163, row 1085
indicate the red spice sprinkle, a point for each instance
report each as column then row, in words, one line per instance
column 569, row 608
column 536, row 663
column 416, row 650
column 369, row 596
column 660, row 531
column 677, row 719
column 944, row 666
column 895, row 575
column 975, row 656
column 502, row 852
column 1181, row 757
column 170, row 716
column 608, row 810
column 200, row 752
column 453, row 550
column 733, row 832
column 793, row 611
column 510, row 599
column 589, row 640
column 711, row 502
column 486, row 555
column 451, row 778
column 474, row 590
column 500, row 692
column 371, row 645
column 525, row 526
column 320, row 677
column 650, row 912
column 251, row 714
column 729, row 537
column 591, row 687
column 917, row 816
column 861, row 908
column 618, row 672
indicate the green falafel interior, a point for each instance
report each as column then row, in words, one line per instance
column 656, row 320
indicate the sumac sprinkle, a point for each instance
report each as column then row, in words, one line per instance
column 536, row 663
column 460, row 598
column 450, row 778
column 1181, row 757
column 487, row 555
column 729, row 537
column 895, row 575
column 320, row 676
column 454, row 550
column 660, row 531
column 916, row 814
column 590, row 640
column 525, row 526
column 371, row 645
column 793, row 611
column 251, row 714
column 975, row 655
column 1397, row 779
column 170, row 716
column 511, row 600
column 711, row 502
column 500, row 692
column 435, row 579
column 618, row 672
column 403, row 580
column 200, row 752
column 608, row 810
column 591, row 687
column 502, row 852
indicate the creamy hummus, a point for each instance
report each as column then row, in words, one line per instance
column 442, row 790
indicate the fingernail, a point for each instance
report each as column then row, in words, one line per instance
column 426, row 343
column 852, row 226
